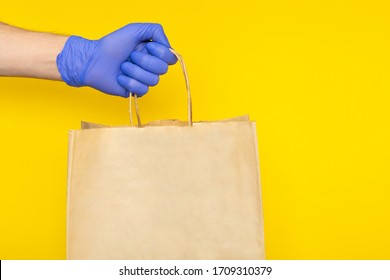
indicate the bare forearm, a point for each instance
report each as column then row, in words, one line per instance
column 29, row 54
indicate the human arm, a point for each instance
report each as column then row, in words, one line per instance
column 31, row 54
column 129, row 59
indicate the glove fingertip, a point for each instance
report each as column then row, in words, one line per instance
column 161, row 52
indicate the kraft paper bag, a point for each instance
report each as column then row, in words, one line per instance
column 168, row 190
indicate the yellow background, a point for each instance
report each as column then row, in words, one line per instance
column 314, row 75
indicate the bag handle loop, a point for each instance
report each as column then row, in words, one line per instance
column 189, row 101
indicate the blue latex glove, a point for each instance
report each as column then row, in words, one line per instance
column 127, row 60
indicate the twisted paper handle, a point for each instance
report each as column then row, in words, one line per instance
column 189, row 101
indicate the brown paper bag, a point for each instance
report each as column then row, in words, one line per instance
column 165, row 191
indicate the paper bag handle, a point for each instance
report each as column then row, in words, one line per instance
column 189, row 102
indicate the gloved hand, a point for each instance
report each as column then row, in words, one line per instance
column 127, row 60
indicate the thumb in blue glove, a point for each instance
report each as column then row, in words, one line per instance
column 128, row 60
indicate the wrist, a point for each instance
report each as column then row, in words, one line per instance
column 74, row 60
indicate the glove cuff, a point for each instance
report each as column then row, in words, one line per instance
column 74, row 59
